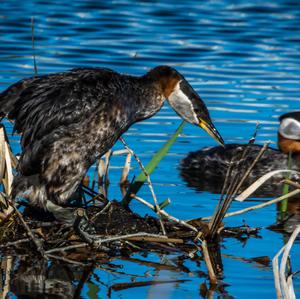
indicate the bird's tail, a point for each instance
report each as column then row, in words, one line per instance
column 8, row 99
column 10, row 96
column 30, row 188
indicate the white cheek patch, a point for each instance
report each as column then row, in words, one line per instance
column 182, row 105
column 290, row 128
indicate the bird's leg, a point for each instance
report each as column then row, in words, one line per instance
column 63, row 214
column 82, row 226
column 72, row 217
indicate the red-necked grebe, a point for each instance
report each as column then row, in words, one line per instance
column 206, row 169
column 68, row 120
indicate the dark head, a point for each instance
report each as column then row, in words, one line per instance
column 184, row 99
column 289, row 132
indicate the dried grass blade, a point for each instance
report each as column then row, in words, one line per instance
column 126, row 169
column 276, row 273
column 8, row 174
column 287, row 290
column 259, row 206
column 246, row 193
column 2, row 152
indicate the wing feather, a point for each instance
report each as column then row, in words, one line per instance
column 40, row 105
column 48, row 108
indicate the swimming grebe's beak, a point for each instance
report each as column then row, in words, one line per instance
column 211, row 130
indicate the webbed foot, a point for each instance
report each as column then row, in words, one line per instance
column 75, row 217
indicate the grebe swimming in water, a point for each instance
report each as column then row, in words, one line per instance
column 68, row 120
column 206, row 169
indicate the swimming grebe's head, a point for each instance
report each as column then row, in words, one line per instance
column 289, row 132
column 184, row 99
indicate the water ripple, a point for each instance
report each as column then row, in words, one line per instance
column 242, row 57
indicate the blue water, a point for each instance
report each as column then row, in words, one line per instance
column 243, row 57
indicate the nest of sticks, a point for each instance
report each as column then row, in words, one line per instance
column 120, row 231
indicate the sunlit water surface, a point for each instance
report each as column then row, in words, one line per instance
column 243, row 57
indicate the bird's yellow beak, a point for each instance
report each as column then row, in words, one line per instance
column 211, row 130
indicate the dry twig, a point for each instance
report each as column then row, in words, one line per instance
column 98, row 240
column 66, row 260
column 211, row 273
column 15, row 243
column 36, row 242
column 157, row 208
column 165, row 214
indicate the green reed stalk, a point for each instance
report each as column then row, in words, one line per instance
column 150, row 167
column 284, row 204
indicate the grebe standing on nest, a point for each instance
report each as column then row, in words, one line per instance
column 68, row 120
column 206, row 169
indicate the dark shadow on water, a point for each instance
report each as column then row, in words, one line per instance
column 32, row 277
column 35, row 278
